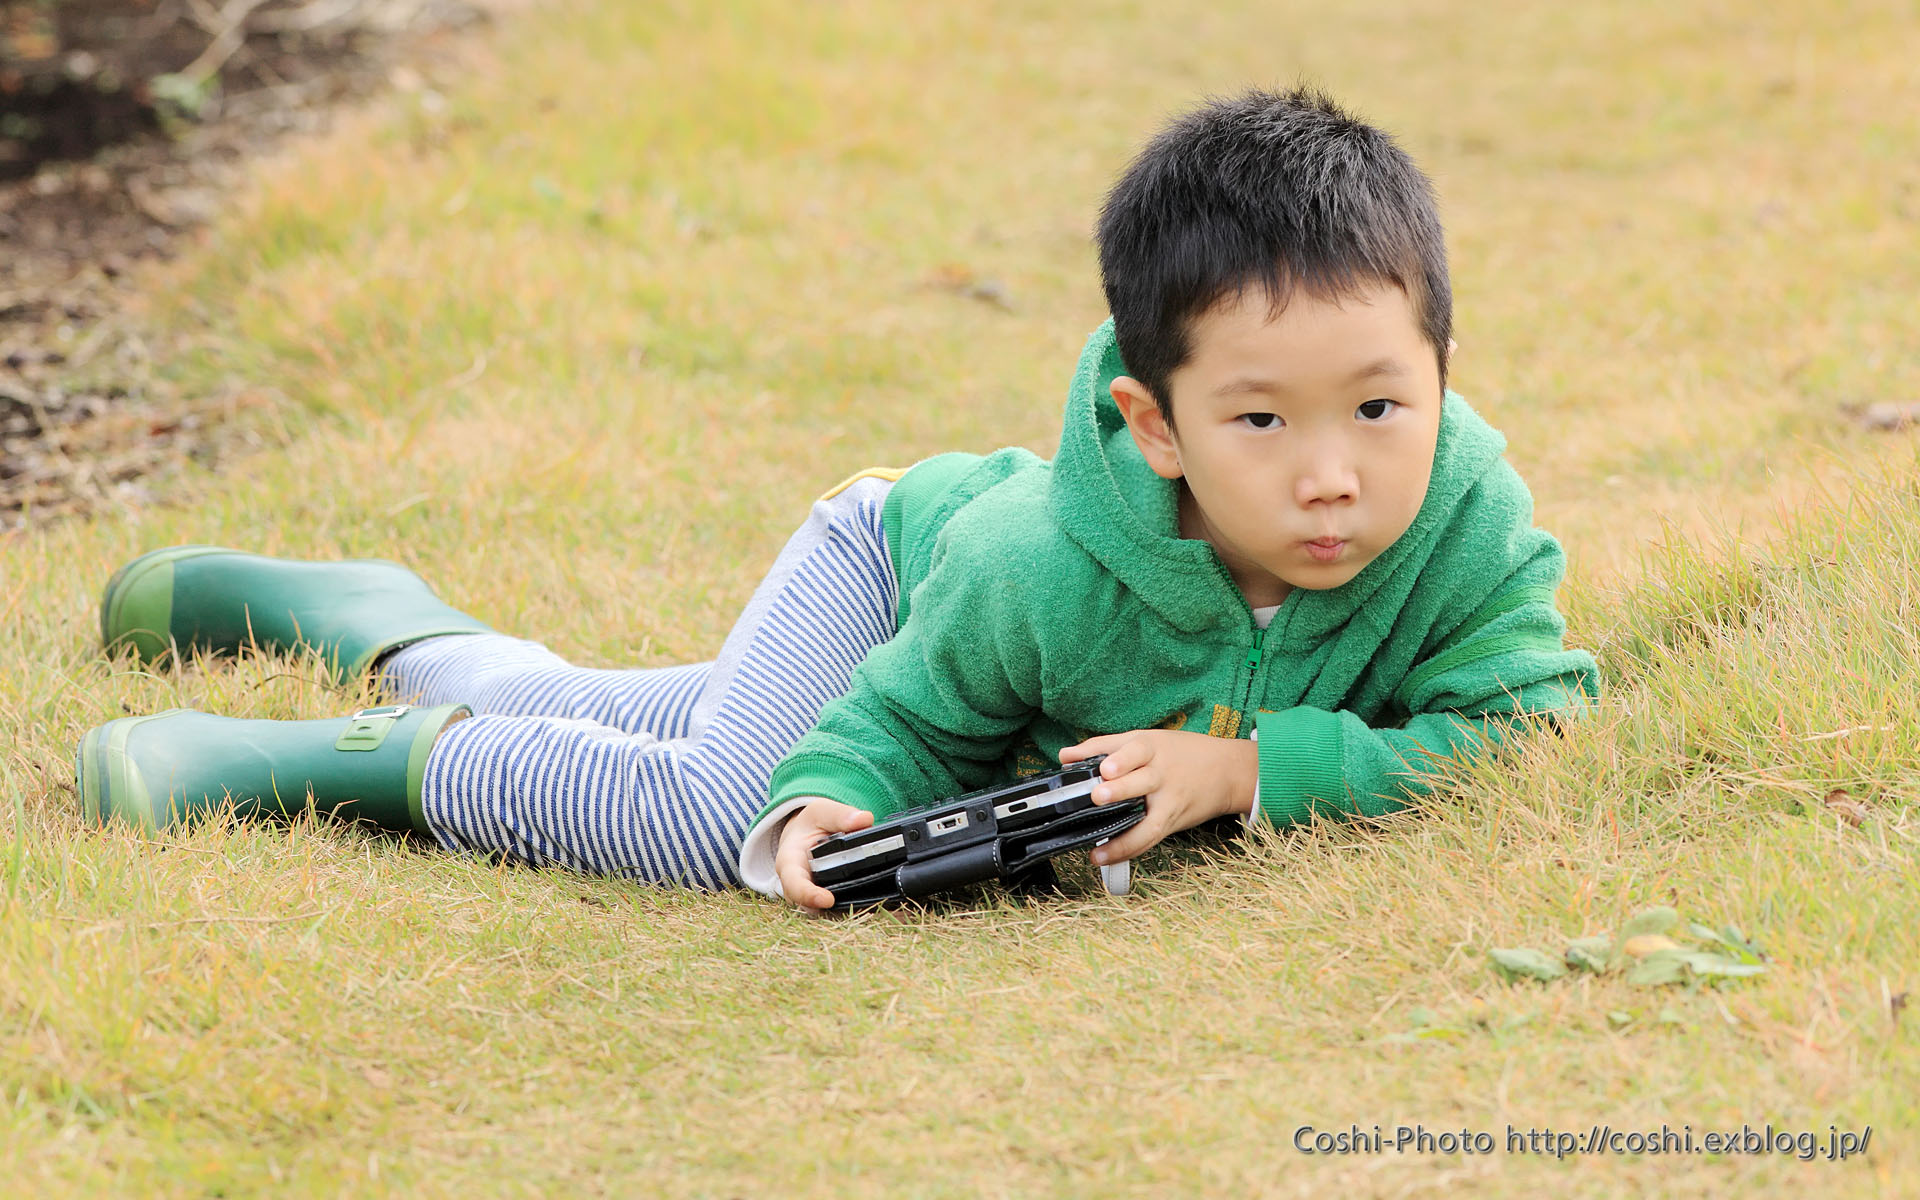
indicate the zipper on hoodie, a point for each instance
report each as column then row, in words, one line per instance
column 1253, row 674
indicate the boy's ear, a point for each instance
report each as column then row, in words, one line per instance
column 1148, row 425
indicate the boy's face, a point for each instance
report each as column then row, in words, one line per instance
column 1306, row 440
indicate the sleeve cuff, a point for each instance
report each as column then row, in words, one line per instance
column 816, row 774
column 756, row 853
column 1300, row 752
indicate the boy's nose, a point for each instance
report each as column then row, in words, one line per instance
column 1326, row 481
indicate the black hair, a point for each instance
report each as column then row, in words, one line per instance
column 1274, row 189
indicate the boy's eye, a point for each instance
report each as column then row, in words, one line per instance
column 1374, row 410
column 1260, row 420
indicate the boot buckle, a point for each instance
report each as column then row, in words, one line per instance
column 369, row 727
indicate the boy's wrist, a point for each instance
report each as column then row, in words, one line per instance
column 1243, row 779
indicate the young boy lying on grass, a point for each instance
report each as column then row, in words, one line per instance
column 1275, row 569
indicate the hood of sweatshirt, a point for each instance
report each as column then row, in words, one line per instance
column 1110, row 502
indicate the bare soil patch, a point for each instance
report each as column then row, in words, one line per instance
column 124, row 127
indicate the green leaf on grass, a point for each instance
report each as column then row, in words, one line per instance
column 1414, row 1036
column 1707, row 963
column 1644, row 952
column 1619, row 1018
column 1660, row 967
column 1427, row 1026
column 1662, row 920
column 185, row 95
column 1519, row 1020
column 1525, row 963
column 1590, row 953
column 1682, row 966
column 1729, row 937
column 1733, row 939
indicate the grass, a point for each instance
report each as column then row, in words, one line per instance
column 579, row 343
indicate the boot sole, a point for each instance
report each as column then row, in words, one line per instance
column 109, row 787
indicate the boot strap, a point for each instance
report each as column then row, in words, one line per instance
column 369, row 727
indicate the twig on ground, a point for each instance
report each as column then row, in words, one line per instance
column 231, row 35
column 264, row 680
column 1849, row 731
column 170, row 846
column 107, row 925
column 307, row 18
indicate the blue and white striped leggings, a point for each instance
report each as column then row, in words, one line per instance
column 652, row 774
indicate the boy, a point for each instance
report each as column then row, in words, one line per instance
column 1276, row 569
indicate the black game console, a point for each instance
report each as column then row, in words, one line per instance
column 1009, row 833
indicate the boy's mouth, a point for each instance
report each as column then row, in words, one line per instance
column 1326, row 549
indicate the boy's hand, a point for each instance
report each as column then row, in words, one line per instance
column 792, row 860
column 1187, row 778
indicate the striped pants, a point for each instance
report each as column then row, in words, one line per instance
column 652, row 774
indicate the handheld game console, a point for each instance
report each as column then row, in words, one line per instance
column 1009, row 833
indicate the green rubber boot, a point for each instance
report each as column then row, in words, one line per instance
column 191, row 598
column 153, row 772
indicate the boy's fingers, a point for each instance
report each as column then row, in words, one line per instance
column 796, row 882
column 1130, row 755
column 793, row 863
column 1131, row 844
column 851, row 819
column 1104, row 744
column 816, row 898
column 1143, row 781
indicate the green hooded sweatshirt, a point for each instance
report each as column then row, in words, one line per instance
column 1043, row 603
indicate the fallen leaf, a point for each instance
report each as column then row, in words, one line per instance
column 1733, row 938
column 1661, row 967
column 1642, row 944
column 1680, row 966
column 951, row 276
column 1888, row 417
column 993, row 292
column 1654, row 920
column 1707, row 964
column 1525, row 963
column 1590, row 953
column 1842, row 804
column 1424, row 1035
